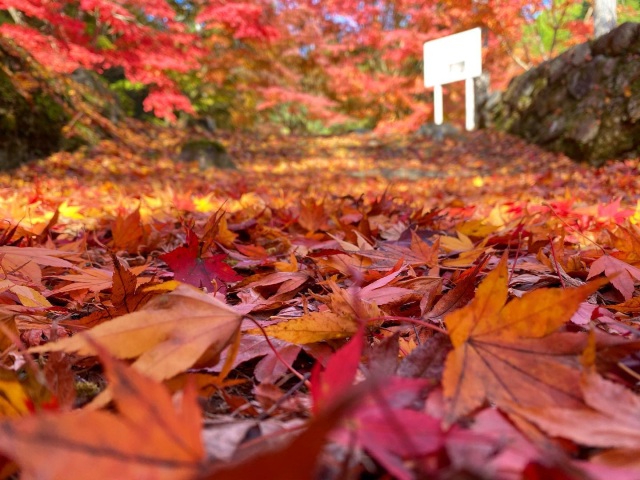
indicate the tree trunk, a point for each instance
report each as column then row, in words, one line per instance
column 604, row 16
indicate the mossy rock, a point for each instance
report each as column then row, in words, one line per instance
column 29, row 127
column 98, row 94
column 207, row 153
column 584, row 103
column 36, row 107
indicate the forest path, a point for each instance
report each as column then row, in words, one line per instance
column 481, row 167
column 477, row 170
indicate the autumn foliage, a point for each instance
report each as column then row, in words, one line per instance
column 370, row 305
column 425, row 320
column 305, row 65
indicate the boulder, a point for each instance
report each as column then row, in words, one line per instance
column 207, row 153
column 31, row 119
column 42, row 112
column 584, row 103
column 439, row 132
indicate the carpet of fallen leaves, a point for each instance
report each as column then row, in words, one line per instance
column 340, row 308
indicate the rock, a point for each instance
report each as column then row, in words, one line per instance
column 106, row 101
column 581, row 54
column 580, row 81
column 31, row 120
column 439, row 132
column 584, row 103
column 207, row 153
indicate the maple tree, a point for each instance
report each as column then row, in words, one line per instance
column 307, row 65
column 154, row 42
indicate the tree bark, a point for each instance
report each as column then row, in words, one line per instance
column 604, row 16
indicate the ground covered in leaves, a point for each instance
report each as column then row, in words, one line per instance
column 357, row 307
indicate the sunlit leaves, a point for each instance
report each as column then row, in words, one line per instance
column 507, row 352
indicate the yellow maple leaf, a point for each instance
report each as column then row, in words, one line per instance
column 30, row 297
column 70, row 211
column 312, row 327
column 290, row 266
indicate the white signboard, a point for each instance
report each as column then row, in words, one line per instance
column 452, row 59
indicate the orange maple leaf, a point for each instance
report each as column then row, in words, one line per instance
column 148, row 437
column 126, row 296
column 127, row 232
column 507, row 352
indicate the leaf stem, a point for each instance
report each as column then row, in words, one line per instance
column 302, row 377
column 410, row 320
column 555, row 262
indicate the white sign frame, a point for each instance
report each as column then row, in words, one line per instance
column 452, row 59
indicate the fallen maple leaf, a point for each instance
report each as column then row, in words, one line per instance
column 620, row 273
column 390, row 436
column 492, row 447
column 312, row 215
column 274, row 288
column 126, row 297
column 464, row 247
column 216, row 229
column 127, row 232
column 92, row 279
column 428, row 253
column 148, row 437
column 312, row 327
column 614, row 211
column 626, row 240
column 27, row 261
column 329, row 385
column 427, row 359
column 631, row 305
column 14, row 401
column 191, row 267
column 290, row 266
column 346, row 310
column 378, row 292
column 30, row 297
column 389, row 429
column 612, row 419
column 167, row 336
column 270, row 366
column 459, row 295
column 506, row 352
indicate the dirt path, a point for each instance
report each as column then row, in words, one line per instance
column 478, row 170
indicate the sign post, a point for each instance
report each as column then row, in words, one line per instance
column 452, row 59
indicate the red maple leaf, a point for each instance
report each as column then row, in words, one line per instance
column 190, row 267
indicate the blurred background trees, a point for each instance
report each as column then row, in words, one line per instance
column 301, row 65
